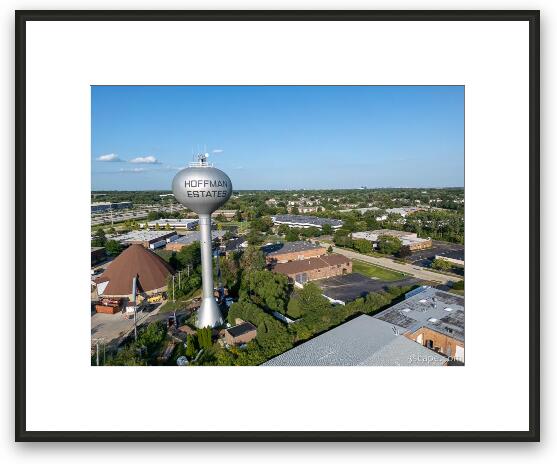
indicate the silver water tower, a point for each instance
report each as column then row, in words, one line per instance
column 203, row 189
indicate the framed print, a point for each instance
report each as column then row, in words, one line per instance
column 281, row 203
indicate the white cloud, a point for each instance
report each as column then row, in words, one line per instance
column 218, row 150
column 145, row 160
column 113, row 157
column 133, row 170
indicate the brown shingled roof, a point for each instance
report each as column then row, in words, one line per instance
column 151, row 270
column 304, row 265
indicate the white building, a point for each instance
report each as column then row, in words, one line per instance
column 186, row 224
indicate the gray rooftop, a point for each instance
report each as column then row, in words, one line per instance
column 312, row 220
column 192, row 237
column 143, row 235
column 363, row 341
column 435, row 309
column 288, row 247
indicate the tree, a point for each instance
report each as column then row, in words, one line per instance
column 113, row 247
column 268, row 288
column 327, row 229
column 342, row 238
column 99, row 239
column 362, row 246
column 205, row 337
column 190, row 346
column 404, row 252
column 255, row 238
column 189, row 256
column 459, row 285
column 283, row 229
column 388, row 244
column 262, row 224
column 292, row 235
column 441, row 264
column 330, row 249
column 252, row 259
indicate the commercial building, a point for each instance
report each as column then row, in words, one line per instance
column 306, row 270
column 100, row 207
column 453, row 256
column 433, row 318
column 240, row 334
column 98, row 254
column 147, row 238
column 292, row 251
column 184, row 224
column 191, row 237
column 409, row 239
column 226, row 213
column 135, row 261
column 345, row 288
column 363, row 341
column 294, row 220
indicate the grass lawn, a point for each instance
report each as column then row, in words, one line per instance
column 370, row 270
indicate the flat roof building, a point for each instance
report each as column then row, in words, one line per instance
column 433, row 318
column 102, row 206
column 292, row 251
column 148, row 238
column 294, row 220
column 409, row 239
column 187, row 224
column 306, row 270
column 363, row 341
column 191, row 237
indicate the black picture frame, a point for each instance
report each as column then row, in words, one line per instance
column 533, row 434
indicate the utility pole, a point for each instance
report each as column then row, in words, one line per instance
column 97, row 342
column 173, row 299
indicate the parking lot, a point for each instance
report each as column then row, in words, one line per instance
column 424, row 257
column 351, row 286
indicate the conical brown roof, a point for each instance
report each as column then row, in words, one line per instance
column 150, row 269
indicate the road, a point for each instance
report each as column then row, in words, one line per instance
column 411, row 269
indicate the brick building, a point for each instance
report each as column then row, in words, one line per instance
column 321, row 267
column 432, row 318
column 292, row 251
column 240, row 334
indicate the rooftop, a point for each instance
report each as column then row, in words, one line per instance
column 304, row 265
column 363, row 341
column 435, row 309
column 234, row 243
column 349, row 287
column 310, row 220
column 143, row 235
column 174, row 221
column 192, row 237
column 288, row 247
column 241, row 329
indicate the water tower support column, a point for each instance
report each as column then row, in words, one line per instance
column 209, row 313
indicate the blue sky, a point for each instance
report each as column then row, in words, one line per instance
column 283, row 137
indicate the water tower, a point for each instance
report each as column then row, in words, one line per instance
column 203, row 189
